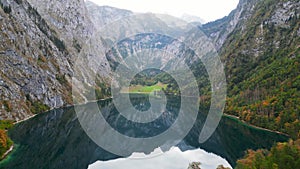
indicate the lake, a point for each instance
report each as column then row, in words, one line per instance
column 55, row 139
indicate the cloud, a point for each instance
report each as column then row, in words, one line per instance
column 173, row 159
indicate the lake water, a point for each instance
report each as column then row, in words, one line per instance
column 55, row 139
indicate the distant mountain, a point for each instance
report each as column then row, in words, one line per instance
column 126, row 23
column 191, row 18
column 102, row 15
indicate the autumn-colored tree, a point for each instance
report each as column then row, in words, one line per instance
column 5, row 142
column 3, row 138
column 281, row 156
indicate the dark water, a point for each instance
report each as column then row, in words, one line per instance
column 56, row 140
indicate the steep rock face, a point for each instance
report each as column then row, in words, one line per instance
column 219, row 30
column 68, row 18
column 71, row 20
column 34, row 63
column 41, row 42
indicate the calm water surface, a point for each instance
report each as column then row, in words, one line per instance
column 56, row 140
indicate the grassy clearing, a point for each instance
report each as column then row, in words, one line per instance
column 144, row 89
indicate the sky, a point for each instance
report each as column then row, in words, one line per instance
column 208, row 10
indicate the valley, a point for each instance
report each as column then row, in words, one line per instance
column 61, row 60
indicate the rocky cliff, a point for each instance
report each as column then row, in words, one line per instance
column 40, row 43
column 35, row 62
column 219, row 30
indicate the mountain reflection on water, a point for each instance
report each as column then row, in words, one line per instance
column 56, row 139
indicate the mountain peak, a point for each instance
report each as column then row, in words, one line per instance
column 191, row 18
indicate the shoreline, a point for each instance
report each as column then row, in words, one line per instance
column 27, row 118
column 253, row 126
column 223, row 115
column 11, row 148
column 66, row 106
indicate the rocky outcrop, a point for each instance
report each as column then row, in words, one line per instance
column 284, row 13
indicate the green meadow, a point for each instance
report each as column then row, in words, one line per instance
column 144, row 89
